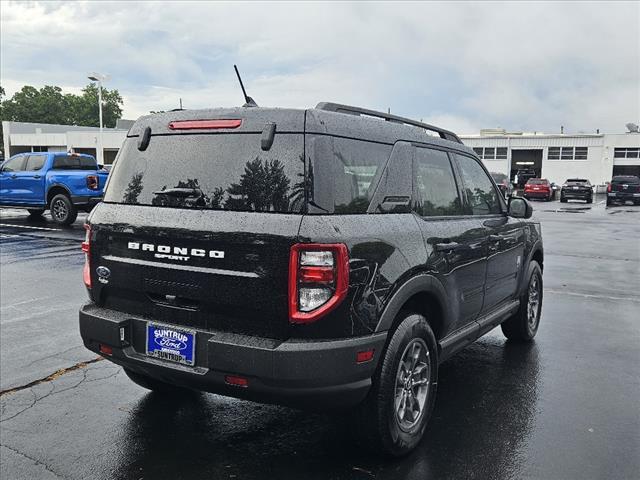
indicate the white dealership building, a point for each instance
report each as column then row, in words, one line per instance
column 557, row 157
column 19, row 137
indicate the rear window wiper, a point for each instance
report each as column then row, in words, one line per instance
column 180, row 192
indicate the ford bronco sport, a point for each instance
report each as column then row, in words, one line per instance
column 325, row 258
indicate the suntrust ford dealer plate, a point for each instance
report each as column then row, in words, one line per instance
column 171, row 343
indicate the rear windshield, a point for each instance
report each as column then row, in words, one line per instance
column 211, row 171
column 577, row 180
column 537, row 181
column 72, row 162
column 627, row 180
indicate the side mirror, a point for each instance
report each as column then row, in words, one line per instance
column 100, row 166
column 520, row 208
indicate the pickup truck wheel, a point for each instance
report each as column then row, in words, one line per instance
column 62, row 210
column 590, row 200
column 523, row 326
column 155, row 385
column 393, row 418
column 35, row 212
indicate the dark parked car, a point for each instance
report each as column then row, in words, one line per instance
column 316, row 258
column 624, row 188
column 577, row 189
column 538, row 188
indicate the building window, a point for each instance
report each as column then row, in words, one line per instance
column 491, row 153
column 633, row 152
column 39, row 148
column 567, row 153
column 581, row 153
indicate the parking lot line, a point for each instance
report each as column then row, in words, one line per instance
column 30, row 228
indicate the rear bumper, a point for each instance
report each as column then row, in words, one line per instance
column 321, row 374
column 537, row 194
column 85, row 201
column 574, row 194
column 623, row 196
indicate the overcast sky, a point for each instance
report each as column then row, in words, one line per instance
column 463, row 66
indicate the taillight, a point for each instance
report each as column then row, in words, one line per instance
column 608, row 188
column 92, row 182
column 86, row 248
column 318, row 280
column 204, row 124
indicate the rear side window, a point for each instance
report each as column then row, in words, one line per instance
column 344, row 173
column 480, row 193
column 35, row 162
column 211, row 171
column 435, row 187
column 73, row 162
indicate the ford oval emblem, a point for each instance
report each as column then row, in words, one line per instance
column 103, row 274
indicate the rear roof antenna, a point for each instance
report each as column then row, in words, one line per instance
column 249, row 102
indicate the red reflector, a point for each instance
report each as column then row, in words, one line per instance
column 365, row 356
column 316, row 274
column 237, row 381
column 106, row 349
column 204, row 124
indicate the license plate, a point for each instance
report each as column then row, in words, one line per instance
column 575, row 188
column 171, row 343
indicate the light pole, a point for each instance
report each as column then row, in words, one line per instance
column 98, row 77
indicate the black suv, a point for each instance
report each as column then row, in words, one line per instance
column 576, row 189
column 326, row 258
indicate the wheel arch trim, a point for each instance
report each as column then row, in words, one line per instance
column 422, row 283
column 57, row 186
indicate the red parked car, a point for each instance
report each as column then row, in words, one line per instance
column 538, row 188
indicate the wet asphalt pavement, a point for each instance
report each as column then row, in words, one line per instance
column 564, row 407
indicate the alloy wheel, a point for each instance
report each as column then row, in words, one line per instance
column 412, row 384
column 60, row 210
column 533, row 303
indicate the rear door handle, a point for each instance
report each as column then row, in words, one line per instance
column 37, row 176
column 495, row 238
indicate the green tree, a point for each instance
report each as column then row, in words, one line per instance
column 51, row 105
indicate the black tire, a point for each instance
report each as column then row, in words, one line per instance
column 609, row 202
column 590, row 200
column 523, row 325
column 156, row 385
column 377, row 421
column 35, row 212
column 62, row 210
column 563, row 200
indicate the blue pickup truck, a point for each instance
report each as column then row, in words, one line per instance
column 61, row 182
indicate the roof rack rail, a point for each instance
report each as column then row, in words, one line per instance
column 339, row 108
